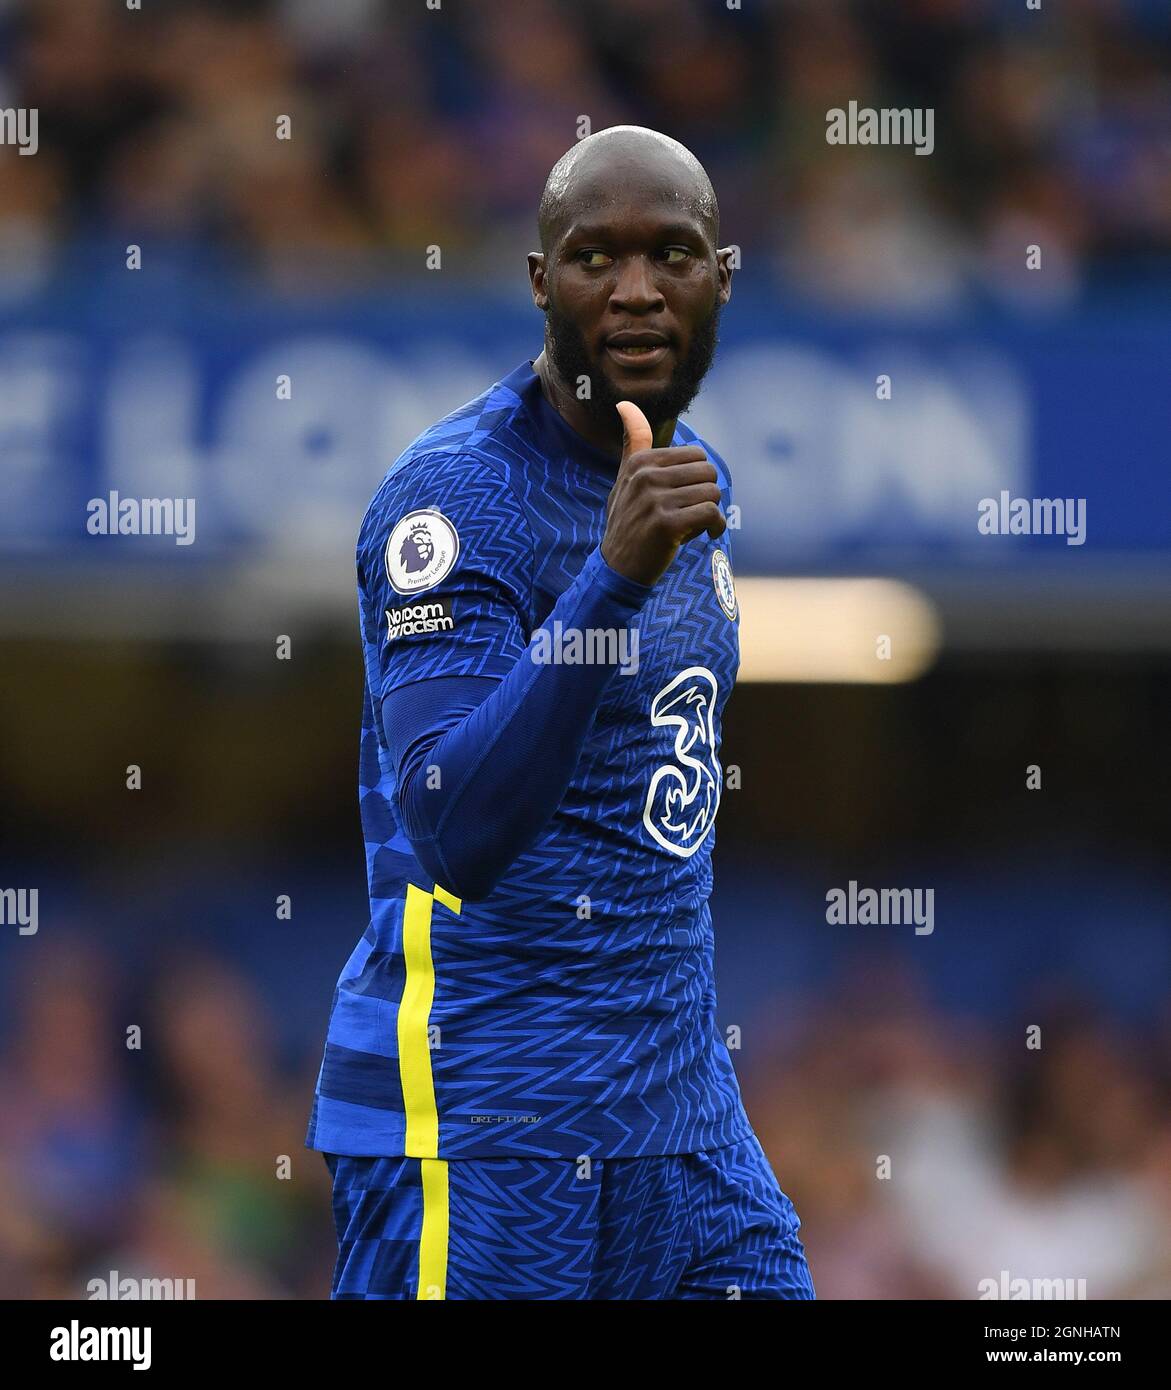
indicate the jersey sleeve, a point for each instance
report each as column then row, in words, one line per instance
column 445, row 572
column 725, row 485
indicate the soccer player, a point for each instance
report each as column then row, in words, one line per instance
column 524, row 1092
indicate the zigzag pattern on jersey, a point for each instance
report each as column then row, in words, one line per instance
column 567, row 508
column 581, row 991
column 566, row 526
column 528, row 1027
column 531, row 1028
column 490, row 589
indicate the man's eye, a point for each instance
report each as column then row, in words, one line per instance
column 676, row 255
column 593, row 259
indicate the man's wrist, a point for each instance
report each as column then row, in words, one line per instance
column 619, row 586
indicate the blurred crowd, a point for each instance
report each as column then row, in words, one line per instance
column 928, row 1154
column 924, row 1153
column 415, row 127
column 174, row 1152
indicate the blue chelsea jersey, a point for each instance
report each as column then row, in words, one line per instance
column 572, row 1011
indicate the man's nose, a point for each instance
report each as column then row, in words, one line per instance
column 635, row 289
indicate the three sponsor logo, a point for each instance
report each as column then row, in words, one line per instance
column 684, row 794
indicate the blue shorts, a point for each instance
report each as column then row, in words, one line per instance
column 699, row 1225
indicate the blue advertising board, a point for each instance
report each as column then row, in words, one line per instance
column 854, row 445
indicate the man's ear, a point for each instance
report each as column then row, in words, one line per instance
column 536, row 261
column 724, row 267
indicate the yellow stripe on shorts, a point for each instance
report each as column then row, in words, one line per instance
column 433, row 1237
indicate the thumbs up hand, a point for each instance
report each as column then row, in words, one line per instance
column 661, row 499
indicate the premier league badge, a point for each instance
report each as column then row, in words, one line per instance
column 422, row 549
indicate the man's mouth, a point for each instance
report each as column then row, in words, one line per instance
column 637, row 350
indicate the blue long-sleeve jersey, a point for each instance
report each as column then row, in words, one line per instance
column 569, row 1008
column 485, row 738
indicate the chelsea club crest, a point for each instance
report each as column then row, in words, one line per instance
column 722, row 582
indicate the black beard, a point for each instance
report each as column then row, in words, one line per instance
column 571, row 360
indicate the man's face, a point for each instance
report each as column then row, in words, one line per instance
column 633, row 291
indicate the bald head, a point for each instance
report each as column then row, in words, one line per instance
column 599, row 169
